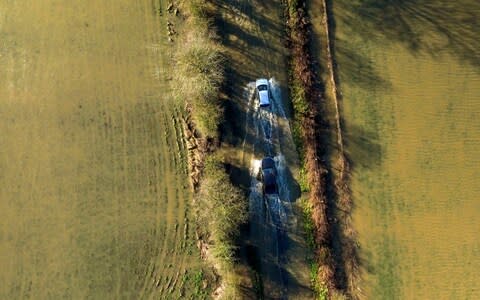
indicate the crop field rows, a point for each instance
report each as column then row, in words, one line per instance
column 93, row 177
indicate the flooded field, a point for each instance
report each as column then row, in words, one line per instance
column 94, row 195
column 409, row 74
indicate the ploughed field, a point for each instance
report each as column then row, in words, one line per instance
column 409, row 74
column 94, row 196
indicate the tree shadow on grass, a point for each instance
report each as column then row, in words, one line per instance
column 357, row 69
column 364, row 150
column 422, row 26
column 365, row 153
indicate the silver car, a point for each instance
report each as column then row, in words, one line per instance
column 263, row 92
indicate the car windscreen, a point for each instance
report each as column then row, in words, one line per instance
column 262, row 87
column 268, row 163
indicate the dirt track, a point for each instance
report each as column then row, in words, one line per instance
column 93, row 189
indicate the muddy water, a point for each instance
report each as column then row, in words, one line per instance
column 273, row 222
column 253, row 33
column 410, row 79
column 93, row 190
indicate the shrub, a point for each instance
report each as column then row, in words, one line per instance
column 224, row 209
column 306, row 99
column 200, row 73
column 198, row 9
column 221, row 209
column 220, row 206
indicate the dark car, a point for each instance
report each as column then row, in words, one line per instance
column 269, row 176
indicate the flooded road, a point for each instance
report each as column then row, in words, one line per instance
column 274, row 246
column 93, row 188
column 273, row 224
column 409, row 74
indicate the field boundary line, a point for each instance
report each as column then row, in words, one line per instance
column 341, row 182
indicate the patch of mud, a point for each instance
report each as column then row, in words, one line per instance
column 196, row 148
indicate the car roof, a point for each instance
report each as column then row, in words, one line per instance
column 268, row 163
column 269, row 179
column 264, row 99
column 261, row 81
column 270, row 189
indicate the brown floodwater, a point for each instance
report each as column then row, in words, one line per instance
column 409, row 74
column 93, row 189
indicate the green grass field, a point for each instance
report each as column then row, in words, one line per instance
column 409, row 76
column 94, row 195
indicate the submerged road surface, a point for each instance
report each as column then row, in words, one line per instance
column 274, row 228
column 253, row 33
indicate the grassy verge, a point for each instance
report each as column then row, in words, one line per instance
column 199, row 72
column 342, row 171
column 220, row 207
column 306, row 98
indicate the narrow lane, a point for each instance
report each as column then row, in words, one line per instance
column 253, row 32
column 273, row 222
